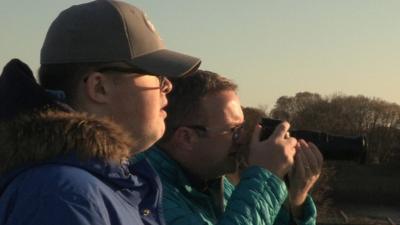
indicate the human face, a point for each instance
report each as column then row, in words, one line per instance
column 215, row 151
column 137, row 103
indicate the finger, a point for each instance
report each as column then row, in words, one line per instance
column 310, row 164
column 292, row 142
column 299, row 164
column 302, row 144
column 291, row 172
column 312, row 159
column 256, row 134
column 298, row 145
column 281, row 130
column 317, row 154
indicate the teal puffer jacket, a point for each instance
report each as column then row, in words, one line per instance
column 257, row 199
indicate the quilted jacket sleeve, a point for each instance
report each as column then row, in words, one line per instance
column 284, row 217
column 256, row 200
column 309, row 218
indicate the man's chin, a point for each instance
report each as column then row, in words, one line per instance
column 232, row 167
column 141, row 148
column 146, row 142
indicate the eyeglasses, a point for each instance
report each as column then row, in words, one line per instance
column 235, row 131
column 163, row 80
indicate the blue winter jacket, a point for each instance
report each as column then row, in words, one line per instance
column 54, row 171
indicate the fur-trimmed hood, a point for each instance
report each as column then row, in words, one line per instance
column 36, row 138
column 69, row 165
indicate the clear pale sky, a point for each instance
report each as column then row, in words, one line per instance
column 270, row 48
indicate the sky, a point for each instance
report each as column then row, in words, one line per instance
column 270, row 48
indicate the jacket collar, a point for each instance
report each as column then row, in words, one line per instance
column 166, row 167
column 171, row 172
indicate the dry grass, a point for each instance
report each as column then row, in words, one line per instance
column 354, row 194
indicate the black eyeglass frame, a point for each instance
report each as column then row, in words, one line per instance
column 235, row 131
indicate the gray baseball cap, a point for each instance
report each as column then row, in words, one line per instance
column 112, row 31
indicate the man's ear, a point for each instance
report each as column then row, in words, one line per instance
column 97, row 87
column 185, row 137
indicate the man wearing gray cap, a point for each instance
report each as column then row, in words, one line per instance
column 106, row 59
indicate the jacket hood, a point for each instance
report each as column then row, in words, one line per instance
column 39, row 137
column 19, row 91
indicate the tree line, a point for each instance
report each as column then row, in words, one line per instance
column 341, row 114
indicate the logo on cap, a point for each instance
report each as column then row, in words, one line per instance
column 148, row 23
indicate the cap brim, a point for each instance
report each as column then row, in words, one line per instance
column 166, row 63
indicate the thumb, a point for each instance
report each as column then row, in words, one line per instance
column 291, row 172
column 281, row 130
